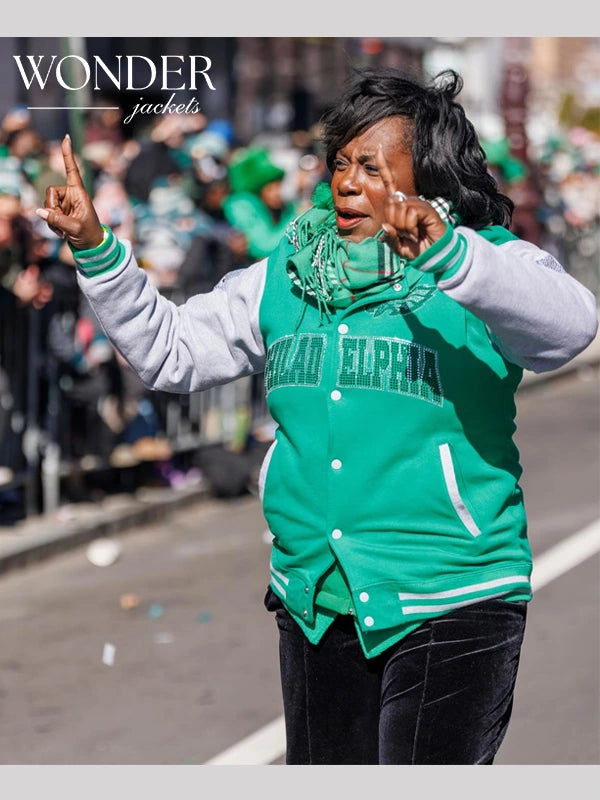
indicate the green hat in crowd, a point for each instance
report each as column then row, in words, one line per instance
column 498, row 154
column 251, row 169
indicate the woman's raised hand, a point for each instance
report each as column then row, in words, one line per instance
column 68, row 210
column 411, row 224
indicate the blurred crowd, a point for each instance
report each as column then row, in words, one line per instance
column 557, row 197
column 196, row 203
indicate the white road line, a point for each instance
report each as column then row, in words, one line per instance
column 261, row 747
column 566, row 555
column 268, row 744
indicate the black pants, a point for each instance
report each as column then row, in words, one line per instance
column 442, row 695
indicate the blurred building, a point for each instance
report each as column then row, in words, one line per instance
column 565, row 77
column 566, row 64
column 558, row 75
column 285, row 83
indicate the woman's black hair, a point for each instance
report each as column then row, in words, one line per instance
column 448, row 160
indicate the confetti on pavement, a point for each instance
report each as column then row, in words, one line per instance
column 129, row 601
column 156, row 611
column 103, row 552
column 108, row 654
column 163, row 638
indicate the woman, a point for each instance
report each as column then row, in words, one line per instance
column 393, row 323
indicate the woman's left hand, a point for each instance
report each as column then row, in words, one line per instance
column 411, row 224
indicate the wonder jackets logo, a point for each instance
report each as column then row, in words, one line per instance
column 74, row 73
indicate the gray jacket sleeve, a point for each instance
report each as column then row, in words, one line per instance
column 538, row 315
column 211, row 339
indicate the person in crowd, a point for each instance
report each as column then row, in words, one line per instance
column 106, row 415
column 223, row 246
column 569, row 169
column 104, row 123
column 519, row 182
column 17, row 118
column 20, row 164
column 161, row 155
column 23, row 287
column 108, row 165
column 393, row 321
column 86, row 364
column 50, row 169
column 20, row 272
column 6, row 400
column 256, row 206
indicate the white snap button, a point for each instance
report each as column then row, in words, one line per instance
column 369, row 622
column 336, row 394
column 343, row 328
column 397, row 287
column 306, row 590
column 336, row 464
column 336, row 534
column 363, row 597
column 305, row 613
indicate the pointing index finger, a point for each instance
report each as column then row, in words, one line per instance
column 384, row 171
column 72, row 170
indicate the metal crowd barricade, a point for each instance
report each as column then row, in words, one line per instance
column 37, row 422
column 214, row 416
column 21, row 427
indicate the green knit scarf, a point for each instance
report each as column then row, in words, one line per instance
column 336, row 272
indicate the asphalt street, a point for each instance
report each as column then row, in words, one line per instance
column 167, row 656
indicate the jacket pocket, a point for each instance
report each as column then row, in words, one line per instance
column 461, row 509
column 264, row 468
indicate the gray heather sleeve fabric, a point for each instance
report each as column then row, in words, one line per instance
column 211, row 339
column 537, row 314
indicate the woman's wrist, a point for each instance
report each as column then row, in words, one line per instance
column 102, row 258
column 445, row 256
column 100, row 240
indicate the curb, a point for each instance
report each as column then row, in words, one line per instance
column 47, row 535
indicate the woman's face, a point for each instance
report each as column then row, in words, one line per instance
column 271, row 196
column 358, row 191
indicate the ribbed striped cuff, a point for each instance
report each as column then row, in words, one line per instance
column 445, row 257
column 98, row 260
